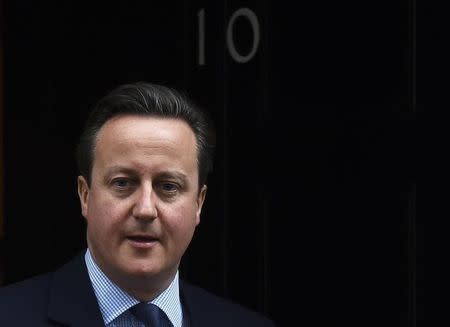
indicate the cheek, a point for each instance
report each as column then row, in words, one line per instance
column 102, row 215
column 181, row 221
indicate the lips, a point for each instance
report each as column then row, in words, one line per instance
column 141, row 238
column 142, row 241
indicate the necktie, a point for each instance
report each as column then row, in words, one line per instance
column 151, row 315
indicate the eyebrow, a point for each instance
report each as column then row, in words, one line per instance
column 128, row 171
column 118, row 169
column 172, row 174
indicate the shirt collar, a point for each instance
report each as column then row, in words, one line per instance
column 113, row 301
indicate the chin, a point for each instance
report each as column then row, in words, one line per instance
column 141, row 270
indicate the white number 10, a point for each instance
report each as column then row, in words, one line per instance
column 238, row 57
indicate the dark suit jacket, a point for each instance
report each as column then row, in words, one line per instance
column 66, row 298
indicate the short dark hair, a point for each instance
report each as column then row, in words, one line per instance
column 153, row 100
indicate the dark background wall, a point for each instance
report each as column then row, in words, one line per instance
column 313, row 193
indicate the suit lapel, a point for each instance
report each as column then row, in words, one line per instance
column 72, row 300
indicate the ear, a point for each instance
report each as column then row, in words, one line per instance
column 83, row 194
column 200, row 200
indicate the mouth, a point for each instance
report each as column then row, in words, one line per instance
column 142, row 241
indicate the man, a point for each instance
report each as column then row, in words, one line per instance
column 144, row 157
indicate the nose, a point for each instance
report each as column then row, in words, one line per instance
column 145, row 205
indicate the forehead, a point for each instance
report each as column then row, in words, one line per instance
column 141, row 127
column 147, row 134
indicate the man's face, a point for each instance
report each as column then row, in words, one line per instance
column 143, row 204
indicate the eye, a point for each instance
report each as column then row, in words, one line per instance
column 169, row 187
column 122, row 183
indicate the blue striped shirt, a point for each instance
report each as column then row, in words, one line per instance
column 114, row 302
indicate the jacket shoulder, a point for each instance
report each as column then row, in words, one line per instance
column 25, row 300
column 214, row 310
column 26, row 290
